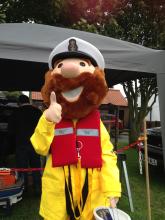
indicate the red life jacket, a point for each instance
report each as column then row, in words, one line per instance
column 81, row 141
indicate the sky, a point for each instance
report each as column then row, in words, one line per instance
column 120, row 87
column 25, row 93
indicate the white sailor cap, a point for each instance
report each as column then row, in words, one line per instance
column 76, row 48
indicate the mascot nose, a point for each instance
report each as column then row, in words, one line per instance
column 70, row 70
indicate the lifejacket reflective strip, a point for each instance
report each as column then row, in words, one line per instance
column 63, row 131
column 79, row 132
column 87, row 132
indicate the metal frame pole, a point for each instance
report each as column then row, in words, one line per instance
column 147, row 171
column 128, row 186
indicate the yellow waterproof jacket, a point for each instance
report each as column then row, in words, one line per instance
column 103, row 183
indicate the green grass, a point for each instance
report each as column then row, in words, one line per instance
column 28, row 208
column 138, row 190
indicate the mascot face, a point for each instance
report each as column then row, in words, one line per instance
column 79, row 86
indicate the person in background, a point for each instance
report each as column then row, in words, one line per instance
column 21, row 126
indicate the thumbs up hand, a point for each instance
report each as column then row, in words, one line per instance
column 53, row 113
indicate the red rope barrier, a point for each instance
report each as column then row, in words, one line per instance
column 136, row 143
column 8, row 170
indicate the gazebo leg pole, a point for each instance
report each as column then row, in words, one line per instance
column 147, row 172
column 116, row 127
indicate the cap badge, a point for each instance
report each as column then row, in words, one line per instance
column 72, row 45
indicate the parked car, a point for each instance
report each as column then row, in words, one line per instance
column 154, row 144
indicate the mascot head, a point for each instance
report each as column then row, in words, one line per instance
column 76, row 75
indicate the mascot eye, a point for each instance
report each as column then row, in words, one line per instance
column 82, row 64
column 59, row 65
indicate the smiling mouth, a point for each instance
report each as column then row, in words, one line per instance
column 73, row 95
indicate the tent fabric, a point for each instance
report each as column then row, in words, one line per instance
column 34, row 42
column 161, row 87
column 25, row 48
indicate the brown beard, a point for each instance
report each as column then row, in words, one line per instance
column 94, row 90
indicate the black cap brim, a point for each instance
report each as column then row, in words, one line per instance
column 73, row 54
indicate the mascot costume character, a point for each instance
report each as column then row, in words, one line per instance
column 81, row 172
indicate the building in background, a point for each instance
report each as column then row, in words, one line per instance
column 36, row 99
column 153, row 117
column 115, row 104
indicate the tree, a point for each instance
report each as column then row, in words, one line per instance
column 95, row 12
column 141, row 22
column 2, row 13
column 137, row 22
column 139, row 91
column 37, row 11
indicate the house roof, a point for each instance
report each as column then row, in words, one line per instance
column 36, row 96
column 115, row 97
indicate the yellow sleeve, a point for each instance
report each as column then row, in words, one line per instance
column 110, row 173
column 43, row 136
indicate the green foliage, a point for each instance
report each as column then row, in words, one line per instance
column 11, row 95
column 2, row 18
column 38, row 11
column 2, row 13
column 113, row 29
column 85, row 26
column 94, row 12
column 142, row 22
